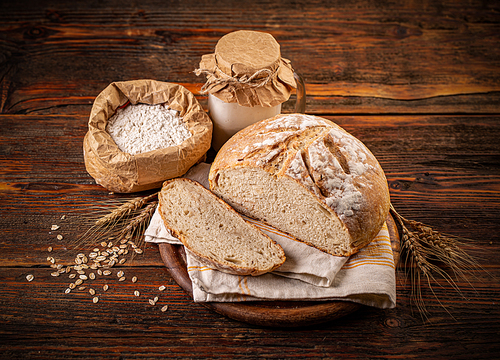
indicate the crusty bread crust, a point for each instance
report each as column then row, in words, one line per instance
column 208, row 199
column 336, row 168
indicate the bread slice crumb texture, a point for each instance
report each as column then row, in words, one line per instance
column 214, row 232
column 284, row 204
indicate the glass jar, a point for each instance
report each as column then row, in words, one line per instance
column 247, row 81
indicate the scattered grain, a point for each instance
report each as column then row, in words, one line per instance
column 30, row 277
column 68, row 290
column 151, row 302
column 105, row 287
column 83, row 277
column 164, row 308
column 49, row 249
column 134, row 279
column 106, row 272
column 161, row 288
column 54, row 227
column 72, row 286
column 59, row 237
column 122, row 278
column 81, row 288
column 92, row 276
column 78, row 282
column 119, row 273
column 95, row 299
column 137, row 293
column 91, row 291
column 55, row 273
column 72, row 276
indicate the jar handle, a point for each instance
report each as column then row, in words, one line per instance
column 300, row 104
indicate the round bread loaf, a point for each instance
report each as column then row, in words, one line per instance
column 306, row 176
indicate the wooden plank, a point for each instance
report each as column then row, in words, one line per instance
column 438, row 167
column 360, row 58
column 122, row 325
column 422, row 71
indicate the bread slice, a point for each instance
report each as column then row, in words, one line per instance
column 214, row 233
column 306, row 176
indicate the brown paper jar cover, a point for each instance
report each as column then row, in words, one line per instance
column 247, row 68
column 121, row 172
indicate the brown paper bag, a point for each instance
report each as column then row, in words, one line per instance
column 125, row 173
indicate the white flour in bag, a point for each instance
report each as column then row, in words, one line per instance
column 140, row 128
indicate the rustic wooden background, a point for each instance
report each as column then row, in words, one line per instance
column 417, row 81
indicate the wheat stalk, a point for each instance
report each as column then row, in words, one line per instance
column 124, row 210
column 139, row 220
column 430, row 254
column 111, row 225
column 136, row 226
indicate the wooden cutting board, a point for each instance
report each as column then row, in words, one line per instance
column 270, row 313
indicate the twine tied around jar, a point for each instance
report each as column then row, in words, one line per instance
column 247, row 68
column 217, row 77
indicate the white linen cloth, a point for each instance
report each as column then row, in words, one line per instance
column 367, row 277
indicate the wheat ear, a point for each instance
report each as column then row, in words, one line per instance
column 430, row 253
column 112, row 224
column 124, row 210
column 138, row 223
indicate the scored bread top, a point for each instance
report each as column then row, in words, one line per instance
column 214, row 233
column 326, row 160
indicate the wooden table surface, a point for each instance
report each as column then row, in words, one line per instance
column 417, row 81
